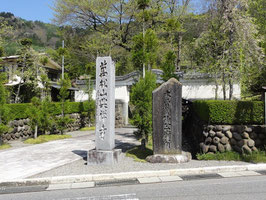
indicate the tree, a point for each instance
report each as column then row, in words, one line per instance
column 64, row 84
column 144, row 50
column 141, row 100
column 168, row 66
column 257, row 9
column 115, row 17
column 40, row 115
column 176, row 12
column 63, row 120
column 34, row 113
column 256, row 75
column 44, row 79
column 230, row 43
column 28, row 73
column 142, row 5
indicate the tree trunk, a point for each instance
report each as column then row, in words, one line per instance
column 36, row 132
column 22, row 77
column 224, row 86
column 179, row 52
column 216, row 89
column 230, row 89
column 143, row 144
column 18, row 92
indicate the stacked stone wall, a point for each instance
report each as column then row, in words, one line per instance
column 240, row 138
column 21, row 129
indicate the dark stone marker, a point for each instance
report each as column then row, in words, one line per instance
column 167, row 118
column 167, row 124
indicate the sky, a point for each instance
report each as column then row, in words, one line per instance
column 40, row 10
column 29, row 9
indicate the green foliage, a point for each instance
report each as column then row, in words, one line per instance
column 18, row 110
column 34, row 112
column 230, row 112
column 168, row 66
column 62, row 122
column 40, row 115
column 255, row 157
column 138, row 52
column 3, row 129
column 29, row 71
column 65, row 84
column 142, row 4
column 89, row 108
column 62, row 51
column 144, row 50
column 257, row 9
column 46, row 138
column 141, row 100
column 42, row 35
column 1, row 51
column 4, row 111
column 25, row 42
column 229, row 49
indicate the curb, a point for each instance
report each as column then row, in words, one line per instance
column 92, row 180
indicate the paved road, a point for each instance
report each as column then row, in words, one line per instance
column 240, row 188
column 24, row 161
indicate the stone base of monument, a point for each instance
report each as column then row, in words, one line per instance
column 170, row 158
column 96, row 157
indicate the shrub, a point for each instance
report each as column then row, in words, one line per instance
column 18, row 110
column 230, row 112
column 4, row 111
column 141, row 99
column 40, row 115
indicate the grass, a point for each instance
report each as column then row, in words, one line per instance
column 255, row 157
column 46, row 138
column 140, row 155
column 88, row 128
column 4, row 146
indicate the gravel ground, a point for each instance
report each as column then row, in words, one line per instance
column 125, row 140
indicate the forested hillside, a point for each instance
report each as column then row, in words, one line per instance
column 43, row 35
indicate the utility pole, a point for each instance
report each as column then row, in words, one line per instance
column 143, row 35
column 63, row 60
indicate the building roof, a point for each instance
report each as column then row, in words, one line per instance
column 13, row 59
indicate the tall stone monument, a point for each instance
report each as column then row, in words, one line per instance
column 104, row 153
column 167, row 124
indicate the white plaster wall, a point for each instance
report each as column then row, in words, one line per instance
column 192, row 89
column 201, row 90
column 121, row 93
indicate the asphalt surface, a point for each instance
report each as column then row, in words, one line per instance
column 238, row 188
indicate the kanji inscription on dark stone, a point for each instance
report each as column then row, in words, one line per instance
column 167, row 118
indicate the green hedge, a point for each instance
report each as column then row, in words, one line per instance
column 230, row 112
column 18, row 111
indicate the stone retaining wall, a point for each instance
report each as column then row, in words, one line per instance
column 119, row 120
column 240, row 138
column 20, row 129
